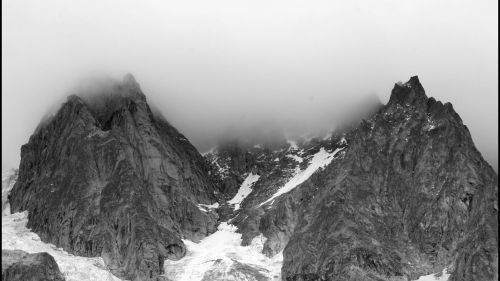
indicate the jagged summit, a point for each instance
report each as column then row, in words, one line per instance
column 106, row 89
column 112, row 180
column 107, row 100
column 409, row 93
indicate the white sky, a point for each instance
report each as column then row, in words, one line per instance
column 211, row 64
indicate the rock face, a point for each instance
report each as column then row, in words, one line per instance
column 107, row 177
column 409, row 196
column 21, row 266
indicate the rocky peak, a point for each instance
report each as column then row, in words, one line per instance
column 105, row 177
column 409, row 93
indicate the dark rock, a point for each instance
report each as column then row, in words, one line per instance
column 21, row 266
column 411, row 196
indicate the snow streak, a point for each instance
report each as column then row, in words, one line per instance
column 244, row 191
column 432, row 277
column 321, row 159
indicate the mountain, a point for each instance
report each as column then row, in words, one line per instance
column 405, row 194
column 106, row 177
column 411, row 196
column 402, row 195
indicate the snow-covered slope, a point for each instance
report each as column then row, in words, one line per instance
column 244, row 190
column 443, row 276
column 15, row 236
column 220, row 256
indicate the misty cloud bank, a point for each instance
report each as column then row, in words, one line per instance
column 259, row 123
column 216, row 68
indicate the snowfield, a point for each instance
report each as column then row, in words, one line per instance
column 432, row 277
column 244, row 190
column 220, row 256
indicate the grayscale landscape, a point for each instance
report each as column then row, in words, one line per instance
column 249, row 140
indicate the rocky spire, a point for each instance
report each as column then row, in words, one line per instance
column 409, row 93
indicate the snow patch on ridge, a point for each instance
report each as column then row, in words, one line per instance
column 244, row 190
column 295, row 157
column 321, row 159
column 432, row 277
column 206, row 208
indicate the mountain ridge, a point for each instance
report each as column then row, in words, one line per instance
column 402, row 194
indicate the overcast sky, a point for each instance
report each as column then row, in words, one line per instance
column 209, row 65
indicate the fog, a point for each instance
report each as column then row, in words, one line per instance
column 213, row 67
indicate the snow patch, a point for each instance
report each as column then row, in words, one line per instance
column 432, row 277
column 15, row 236
column 206, row 208
column 218, row 252
column 321, row 159
column 295, row 157
column 431, row 124
column 244, row 190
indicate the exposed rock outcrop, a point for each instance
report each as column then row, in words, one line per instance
column 106, row 177
column 21, row 266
